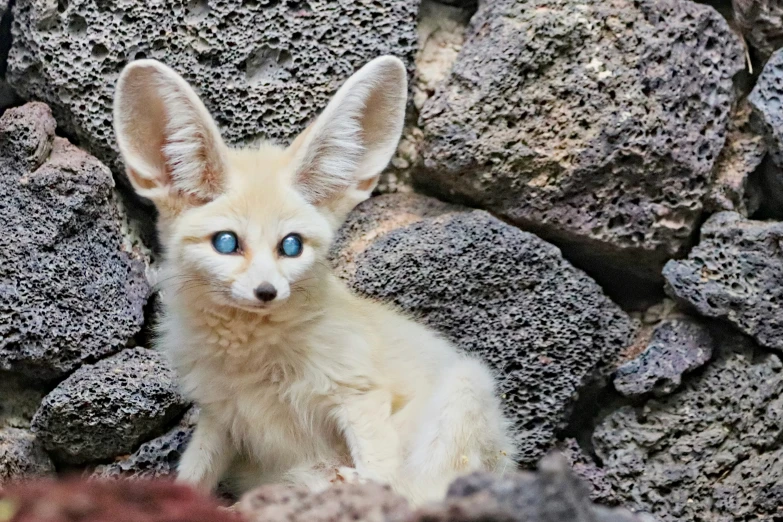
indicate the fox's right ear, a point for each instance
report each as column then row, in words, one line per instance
column 171, row 146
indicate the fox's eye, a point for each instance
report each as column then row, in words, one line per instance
column 291, row 245
column 225, row 242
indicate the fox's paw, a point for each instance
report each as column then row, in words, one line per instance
column 347, row 475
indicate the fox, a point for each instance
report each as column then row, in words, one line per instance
column 298, row 380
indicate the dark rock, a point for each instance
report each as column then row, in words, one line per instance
column 767, row 120
column 761, row 22
column 22, row 457
column 340, row 503
column 263, row 68
column 71, row 290
column 19, row 400
column 109, row 408
column 709, row 452
column 594, row 124
column 677, row 346
column 744, row 151
column 584, row 467
column 734, row 274
column 156, row 458
column 553, row 494
column 494, row 290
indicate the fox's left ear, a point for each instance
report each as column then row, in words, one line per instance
column 337, row 160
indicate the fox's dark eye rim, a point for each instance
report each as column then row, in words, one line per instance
column 282, row 253
column 237, row 246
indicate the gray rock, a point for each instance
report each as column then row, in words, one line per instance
column 734, row 274
column 263, row 67
column 677, row 346
column 156, row 458
column 584, row 467
column 710, row 452
column 553, row 494
column 22, row 457
column 494, row 290
column 70, row 289
column 761, row 22
column 109, row 408
column 743, row 154
column 594, row 124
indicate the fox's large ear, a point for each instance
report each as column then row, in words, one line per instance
column 171, row 146
column 337, row 160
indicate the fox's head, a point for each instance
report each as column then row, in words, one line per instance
column 247, row 228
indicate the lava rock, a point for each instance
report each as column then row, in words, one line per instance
column 677, row 346
column 264, row 68
column 22, row 457
column 553, row 494
column 761, row 23
column 494, row 290
column 584, row 467
column 109, row 408
column 742, row 156
column 71, row 289
column 340, row 503
column 709, row 452
column 734, row 274
column 594, row 124
column 19, row 400
column 156, row 458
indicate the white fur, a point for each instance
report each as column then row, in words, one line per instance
column 318, row 385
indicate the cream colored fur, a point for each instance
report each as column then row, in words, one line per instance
column 318, row 385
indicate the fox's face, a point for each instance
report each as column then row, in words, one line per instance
column 250, row 228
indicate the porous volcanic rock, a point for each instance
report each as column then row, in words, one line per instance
column 22, row 457
column 109, row 408
column 263, row 67
column 761, row 22
column 743, row 154
column 709, row 452
column 584, row 467
column 553, row 494
column 71, row 289
column 494, row 290
column 595, row 124
column 734, row 274
column 677, row 346
column 156, row 458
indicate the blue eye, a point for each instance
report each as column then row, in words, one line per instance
column 291, row 245
column 225, row 242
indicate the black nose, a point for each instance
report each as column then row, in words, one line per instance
column 266, row 292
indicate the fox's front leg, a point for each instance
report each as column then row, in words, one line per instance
column 365, row 420
column 207, row 456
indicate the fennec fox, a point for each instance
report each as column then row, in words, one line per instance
column 298, row 380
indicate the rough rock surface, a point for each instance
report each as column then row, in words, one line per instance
column 341, row 503
column 22, row 456
column 156, row 458
column 767, row 120
column 584, row 467
column 761, row 22
column 263, row 67
column 493, row 290
column 553, row 494
column 107, row 409
column 70, row 291
column 677, row 346
column 735, row 274
column 744, row 151
column 709, row 452
column 595, row 124
column 19, row 400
